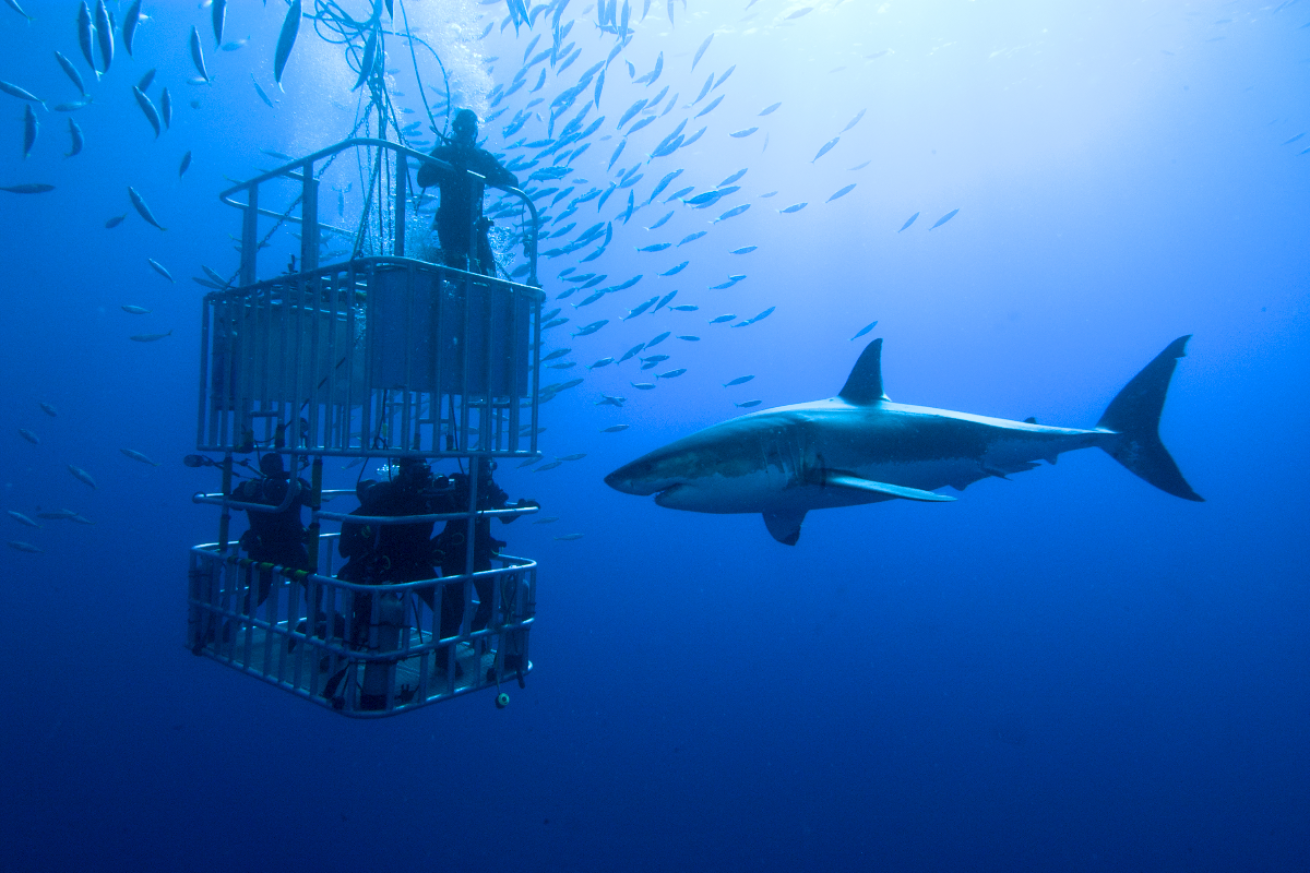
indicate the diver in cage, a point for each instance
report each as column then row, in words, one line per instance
column 380, row 554
column 459, row 216
column 450, row 546
column 276, row 538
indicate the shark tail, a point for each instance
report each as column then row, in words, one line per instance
column 1134, row 417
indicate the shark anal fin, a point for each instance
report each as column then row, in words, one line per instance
column 839, row 480
column 785, row 527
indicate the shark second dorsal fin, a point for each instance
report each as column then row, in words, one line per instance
column 864, row 385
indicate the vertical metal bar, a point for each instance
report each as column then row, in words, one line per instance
column 206, row 381
column 249, row 236
column 309, row 231
column 402, row 178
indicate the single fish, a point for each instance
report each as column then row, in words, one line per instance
column 859, row 166
column 13, row 4
column 763, row 315
column 656, row 247
column 868, row 327
column 166, row 108
column 689, row 338
column 149, row 337
column 135, row 310
column 85, row 37
column 286, row 40
column 659, row 339
column 615, row 428
column 22, row 519
column 672, row 374
column 723, row 78
column 75, row 133
column 632, row 351
column 740, row 380
column 908, row 221
column 28, row 188
column 692, row 237
column 633, row 313
column 30, row 128
column 661, row 222
column 72, row 73
column 20, row 93
column 748, row 404
column 592, row 328
column 673, row 271
column 56, row 515
column 147, row 107
column 732, row 213
column 945, row 218
column 578, row 536
column 795, row 207
column 1293, row 139
column 147, row 80
column 685, row 307
column 609, row 400
column 49, row 410
column 28, row 547
column 722, row 318
column 550, row 466
column 854, row 121
column 198, row 53
column 603, row 362
column 642, row 386
column 713, row 104
column 130, row 21
column 827, row 147
column 744, row 250
column 29, row 436
column 137, row 456
column 577, row 457
column 78, row 519
column 159, row 268
column 142, row 209
column 186, row 162
column 841, row 193
column 741, row 134
column 769, row 110
column 104, row 33
column 701, row 51
column 664, row 301
column 558, row 353
column 82, row 476
column 260, row 91
column 218, row 12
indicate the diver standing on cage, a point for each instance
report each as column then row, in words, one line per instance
column 274, row 537
column 459, row 222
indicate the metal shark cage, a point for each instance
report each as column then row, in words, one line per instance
column 382, row 354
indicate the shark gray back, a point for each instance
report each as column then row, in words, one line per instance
column 860, row 447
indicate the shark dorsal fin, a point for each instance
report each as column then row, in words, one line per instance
column 864, row 385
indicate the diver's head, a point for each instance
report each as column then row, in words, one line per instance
column 271, row 466
column 465, row 126
column 414, row 474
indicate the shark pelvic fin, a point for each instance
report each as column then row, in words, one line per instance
column 785, row 527
column 864, row 385
column 840, row 480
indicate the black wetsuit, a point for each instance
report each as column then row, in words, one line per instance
column 451, row 550
column 274, row 537
column 381, row 554
column 460, row 211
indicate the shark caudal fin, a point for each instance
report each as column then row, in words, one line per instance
column 1135, row 416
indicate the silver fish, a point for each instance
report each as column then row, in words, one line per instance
column 130, row 22
column 84, row 39
column 147, row 107
column 945, row 218
column 76, row 133
column 135, row 310
column 24, row 547
column 137, row 456
column 104, row 33
column 198, row 53
column 142, row 209
column 740, row 380
column 286, row 40
column 615, row 428
column 578, row 536
column 30, row 128
column 149, row 337
column 827, row 147
column 908, row 221
column 868, row 327
column 29, row 436
column 22, row 519
column 159, row 268
column 82, row 476
column 72, row 72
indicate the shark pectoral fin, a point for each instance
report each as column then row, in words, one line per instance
column 785, row 527
column 839, row 480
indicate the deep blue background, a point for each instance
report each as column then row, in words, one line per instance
column 1068, row 671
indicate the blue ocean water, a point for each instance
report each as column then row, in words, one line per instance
column 1070, row 670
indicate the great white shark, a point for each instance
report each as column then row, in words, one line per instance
column 860, row 447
